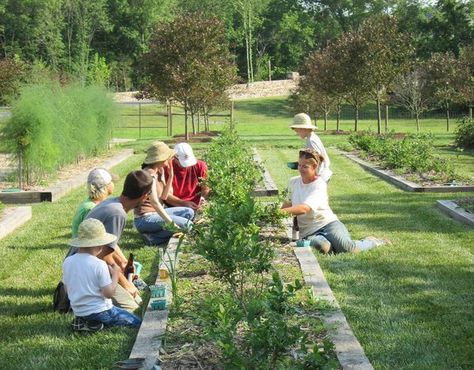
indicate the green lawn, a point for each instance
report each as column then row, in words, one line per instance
column 410, row 304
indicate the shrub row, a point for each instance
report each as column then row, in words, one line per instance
column 464, row 136
column 412, row 154
column 254, row 323
column 51, row 126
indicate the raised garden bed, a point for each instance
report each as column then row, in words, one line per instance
column 404, row 184
column 456, row 211
column 60, row 188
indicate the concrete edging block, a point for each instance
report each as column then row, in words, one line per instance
column 269, row 188
column 458, row 213
column 13, row 217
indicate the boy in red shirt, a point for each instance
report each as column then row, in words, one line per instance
column 188, row 173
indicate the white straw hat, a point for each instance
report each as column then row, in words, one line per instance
column 91, row 233
column 185, row 155
column 302, row 120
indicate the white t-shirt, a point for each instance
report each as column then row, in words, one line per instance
column 84, row 276
column 314, row 142
column 315, row 195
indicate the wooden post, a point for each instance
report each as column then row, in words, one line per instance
column 139, row 120
column 171, row 120
column 232, row 113
column 386, row 118
column 167, row 118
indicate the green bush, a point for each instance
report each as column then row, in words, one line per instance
column 464, row 136
column 51, row 126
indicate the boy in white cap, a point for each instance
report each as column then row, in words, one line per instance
column 187, row 189
column 100, row 184
column 305, row 130
column 91, row 283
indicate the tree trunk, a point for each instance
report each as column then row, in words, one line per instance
column 199, row 121
column 338, row 117
column 386, row 118
column 325, row 121
column 379, row 117
column 192, row 122
column 356, row 119
column 186, row 133
column 447, row 117
column 417, row 122
column 470, row 113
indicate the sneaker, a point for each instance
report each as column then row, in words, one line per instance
column 321, row 244
column 79, row 324
column 378, row 241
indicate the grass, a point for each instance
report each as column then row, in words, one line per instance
column 33, row 336
column 410, row 305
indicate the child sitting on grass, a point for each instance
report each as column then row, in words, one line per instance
column 90, row 283
column 100, row 184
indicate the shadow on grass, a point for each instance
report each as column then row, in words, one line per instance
column 267, row 107
column 416, row 310
column 394, row 211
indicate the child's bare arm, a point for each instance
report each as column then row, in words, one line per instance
column 109, row 290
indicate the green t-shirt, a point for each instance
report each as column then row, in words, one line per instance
column 81, row 213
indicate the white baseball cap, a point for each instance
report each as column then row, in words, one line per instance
column 100, row 177
column 185, row 155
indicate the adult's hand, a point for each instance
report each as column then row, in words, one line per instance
column 190, row 204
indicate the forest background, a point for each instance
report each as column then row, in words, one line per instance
column 103, row 41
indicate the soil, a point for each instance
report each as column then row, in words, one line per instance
column 64, row 173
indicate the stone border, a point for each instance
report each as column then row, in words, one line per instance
column 405, row 184
column 60, row 189
column 349, row 352
column 153, row 328
column 269, row 188
column 12, row 218
column 458, row 213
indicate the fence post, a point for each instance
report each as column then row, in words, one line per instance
column 167, row 117
column 232, row 113
column 139, row 120
column 171, row 120
column 20, row 156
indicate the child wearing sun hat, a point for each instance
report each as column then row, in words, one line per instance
column 304, row 128
column 90, row 282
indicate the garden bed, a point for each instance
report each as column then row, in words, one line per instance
column 403, row 183
column 68, row 178
column 189, row 345
column 456, row 211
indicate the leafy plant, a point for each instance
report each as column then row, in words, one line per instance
column 464, row 136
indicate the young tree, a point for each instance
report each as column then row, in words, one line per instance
column 410, row 92
column 12, row 73
column 188, row 61
column 467, row 69
column 388, row 53
column 444, row 80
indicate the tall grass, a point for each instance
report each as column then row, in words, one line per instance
column 51, row 126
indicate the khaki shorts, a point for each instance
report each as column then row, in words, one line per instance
column 124, row 299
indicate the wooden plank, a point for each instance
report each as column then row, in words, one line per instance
column 349, row 352
column 456, row 212
column 153, row 328
column 12, row 218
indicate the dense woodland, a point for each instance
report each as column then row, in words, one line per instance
column 104, row 40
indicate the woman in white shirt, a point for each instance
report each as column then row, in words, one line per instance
column 308, row 201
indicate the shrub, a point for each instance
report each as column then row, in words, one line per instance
column 412, row 154
column 464, row 135
column 51, row 126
